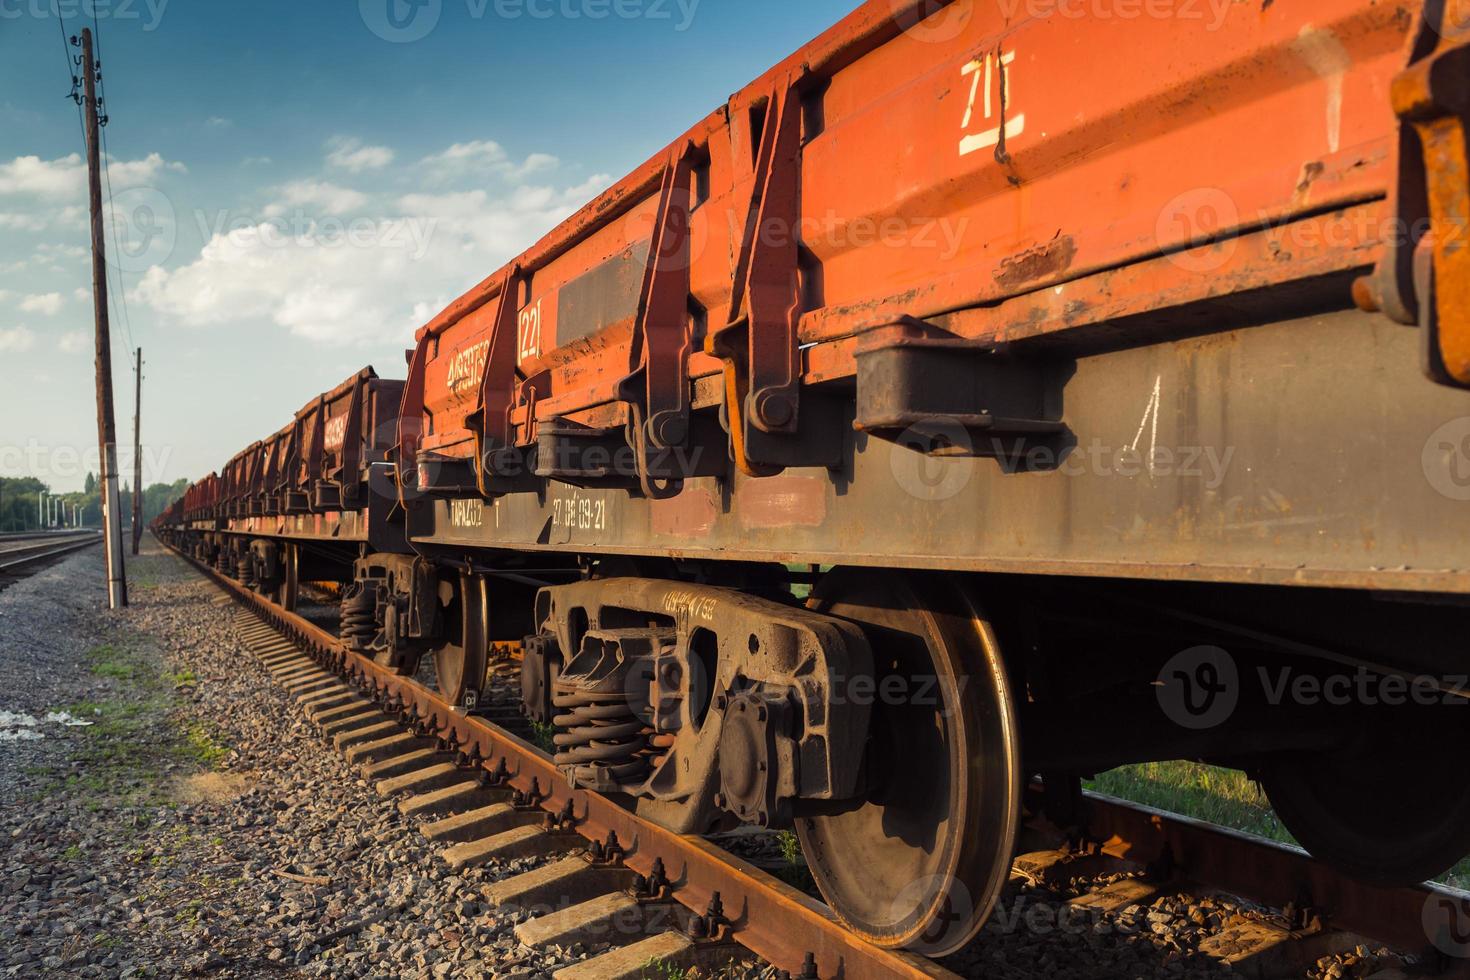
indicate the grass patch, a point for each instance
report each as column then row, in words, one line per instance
column 201, row 745
column 1222, row 796
column 664, row 970
column 541, row 734
column 111, row 660
column 793, row 868
column 135, row 736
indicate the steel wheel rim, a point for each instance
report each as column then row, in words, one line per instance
column 922, row 865
column 465, row 655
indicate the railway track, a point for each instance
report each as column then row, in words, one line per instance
column 22, row 540
column 499, row 796
column 613, row 878
column 19, row 558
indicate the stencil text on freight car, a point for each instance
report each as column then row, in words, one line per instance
column 990, row 83
column 467, row 366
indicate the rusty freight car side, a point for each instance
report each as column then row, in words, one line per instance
column 298, row 503
column 1065, row 369
column 932, row 237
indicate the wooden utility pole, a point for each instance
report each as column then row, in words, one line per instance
column 117, row 583
column 138, row 455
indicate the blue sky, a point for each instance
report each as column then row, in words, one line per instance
column 298, row 184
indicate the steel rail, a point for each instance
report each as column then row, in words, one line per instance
column 15, row 542
column 1271, row 873
column 782, row 925
column 18, row 558
column 766, row 916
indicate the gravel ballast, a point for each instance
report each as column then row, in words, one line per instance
column 167, row 812
column 153, row 842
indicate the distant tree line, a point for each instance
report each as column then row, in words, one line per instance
column 20, row 499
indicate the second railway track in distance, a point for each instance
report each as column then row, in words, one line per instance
column 637, row 896
column 21, row 555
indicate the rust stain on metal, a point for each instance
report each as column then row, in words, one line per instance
column 689, row 514
column 1041, row 262
column 783, row 501
column 1310, row 172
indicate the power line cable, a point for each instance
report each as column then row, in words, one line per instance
column 72, row 63
column 119, row 299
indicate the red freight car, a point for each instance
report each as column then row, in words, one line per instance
column 1063, row 380
column 297, row 503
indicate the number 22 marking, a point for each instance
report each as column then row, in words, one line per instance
column 530, row 331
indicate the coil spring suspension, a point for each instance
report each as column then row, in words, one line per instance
column 600, row 730
column 245, row 572
column 359, row 617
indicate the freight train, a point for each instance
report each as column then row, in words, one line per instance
column 982, row 398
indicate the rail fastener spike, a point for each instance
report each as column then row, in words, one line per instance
column 809, row 968
column 655, row 884
column 564, row 819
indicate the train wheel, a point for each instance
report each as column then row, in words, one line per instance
column 1383, row 808
column 460, row 662
column 922, row 860
column 286, row 592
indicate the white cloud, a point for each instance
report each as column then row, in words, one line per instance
column 74, row 342
column 32, row 175
column 133, row 173
column 481, row 157
column 327, row 197
column 22, row 222
column 48, row 304
column 315, row 287
column 256, row 162
column 67, row 176
column 218, row 122
column 377, row 282
column 353, row 156
column 57, row 255
column 80, row 294
column 16, row 339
